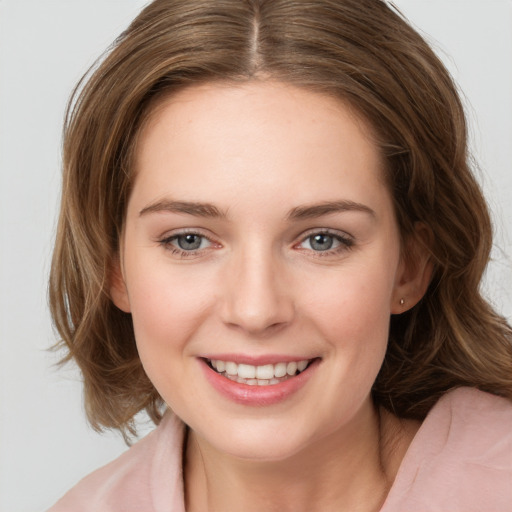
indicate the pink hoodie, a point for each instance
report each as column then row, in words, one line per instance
column 459, row 461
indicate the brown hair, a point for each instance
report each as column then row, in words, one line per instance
column 359, row 50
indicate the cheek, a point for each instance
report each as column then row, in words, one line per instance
column 352, row 312
column 166, row 313
column 352, row 315
column 357, row 331
column 166, row 309
column 355, row 300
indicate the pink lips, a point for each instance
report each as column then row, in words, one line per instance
column 256, row 395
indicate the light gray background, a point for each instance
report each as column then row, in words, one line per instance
column 45, row 46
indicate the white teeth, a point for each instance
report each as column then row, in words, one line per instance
column 247, row 371
column 258, row 375
column 265, row 372
column 231, row 368
column 291, row 368
column 280, row 370
column 301, row 365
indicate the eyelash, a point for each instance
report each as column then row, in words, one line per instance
column 345, row 243
column 166, row 243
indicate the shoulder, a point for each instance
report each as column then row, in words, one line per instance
column 469, row 415
column 460, row 459
column 131, row 482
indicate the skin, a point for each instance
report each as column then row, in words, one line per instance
column 259, row 154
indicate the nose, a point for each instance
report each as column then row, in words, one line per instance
column 257, row 296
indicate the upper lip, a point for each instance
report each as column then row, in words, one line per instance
column 257, row 360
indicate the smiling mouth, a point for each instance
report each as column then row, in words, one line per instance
column 264, row 375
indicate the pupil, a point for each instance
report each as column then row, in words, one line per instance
column 189, row 242
column 321, row 242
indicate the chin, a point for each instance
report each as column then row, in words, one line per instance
column 259, row 440
column 264, row 450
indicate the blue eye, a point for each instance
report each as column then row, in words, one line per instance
column 186, row 244
column 321, row 242
column 326, row 242
column 189, row 242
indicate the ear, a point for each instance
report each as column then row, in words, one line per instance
column 414, row 271
column 118, row 290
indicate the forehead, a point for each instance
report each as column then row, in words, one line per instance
column 261, row 133
column 266, row 101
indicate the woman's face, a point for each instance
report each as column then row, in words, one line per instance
column 260, row 240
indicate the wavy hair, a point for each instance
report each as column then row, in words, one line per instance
column 361, row 51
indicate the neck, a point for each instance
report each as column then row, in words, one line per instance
column 349, row 469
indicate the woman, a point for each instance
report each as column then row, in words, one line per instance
column 270, row 226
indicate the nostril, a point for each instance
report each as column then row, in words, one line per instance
column 257, row 329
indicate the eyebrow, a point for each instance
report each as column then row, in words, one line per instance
column 187, row 207
column 328, row 207
column 298, row 213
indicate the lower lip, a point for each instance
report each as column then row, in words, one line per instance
column 257, row 395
